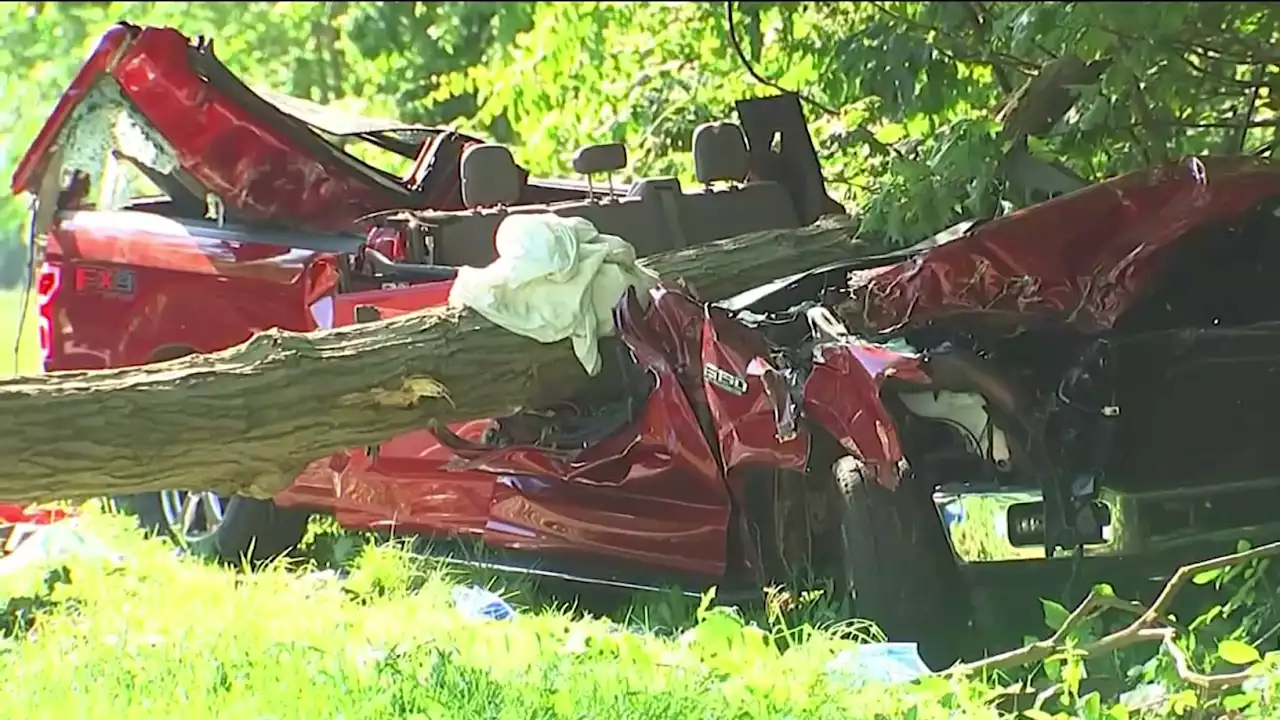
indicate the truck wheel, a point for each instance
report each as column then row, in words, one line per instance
column 898, row 566
column 230, row 529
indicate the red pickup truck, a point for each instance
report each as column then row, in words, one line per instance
column 1092, row 374
column 191, row 211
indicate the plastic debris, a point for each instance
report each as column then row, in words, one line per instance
column 478, row 603
column 29, row 545
column 879, row 662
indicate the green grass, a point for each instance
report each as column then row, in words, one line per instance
column 161, row 636
column 10, row 315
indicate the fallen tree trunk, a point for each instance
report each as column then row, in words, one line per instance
column 249, row 418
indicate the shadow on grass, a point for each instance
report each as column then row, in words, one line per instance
column 378, row 564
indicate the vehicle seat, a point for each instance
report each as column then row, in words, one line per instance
column 490, row 177
column 636, row 218
column 489, row 181
column 664, row 193
column 491, row 187
column 728, row 205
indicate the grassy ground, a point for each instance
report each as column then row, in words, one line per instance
column 163, row 636
column 10, row 314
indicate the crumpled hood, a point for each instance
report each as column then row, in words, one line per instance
column 1081, row 258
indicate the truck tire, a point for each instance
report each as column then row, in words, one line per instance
column 256, row 530
column 252, row 529
column 898, row 566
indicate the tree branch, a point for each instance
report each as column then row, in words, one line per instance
column 1234, row 142
column 865, row 134
column 977, row 18
column 998, row 61
column 1222, row 79
column 1190, row 47
column 1154, row 150
column 1177, row 124
column 1151, row 625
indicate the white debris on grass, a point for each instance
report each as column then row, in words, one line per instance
column 45, row 545
column 888, row 663
column 477, row 603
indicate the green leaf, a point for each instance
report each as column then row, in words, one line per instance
column 1207, row 576
column 1239, row 701
column 704, row 605
column 1181, row 702
column 1238, row 653
column 1091, row 706
column 1054, row 614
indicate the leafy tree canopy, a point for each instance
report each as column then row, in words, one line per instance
column 912, row 104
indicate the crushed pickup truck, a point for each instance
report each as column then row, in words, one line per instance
column 1092, row 374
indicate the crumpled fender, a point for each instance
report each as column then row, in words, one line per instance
column 842, row 395
column 755, row 415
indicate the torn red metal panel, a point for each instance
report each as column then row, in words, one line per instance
column 1080, row 258
column 842, row 394
column 755, row 423
column 234, row 143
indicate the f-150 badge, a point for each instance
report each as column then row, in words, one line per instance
column 724, row 379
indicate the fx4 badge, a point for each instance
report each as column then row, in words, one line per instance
column 724, row 379
column 107, row 281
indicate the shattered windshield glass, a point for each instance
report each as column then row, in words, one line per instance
column 122, row 156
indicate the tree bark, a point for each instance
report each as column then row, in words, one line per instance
column 249, row 418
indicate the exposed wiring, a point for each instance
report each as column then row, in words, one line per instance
column 967, row 435
column 751, row 70
column 27, row 287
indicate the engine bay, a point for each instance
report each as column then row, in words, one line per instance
column 1169, row 403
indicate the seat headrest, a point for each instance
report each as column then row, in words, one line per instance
column 720, row 153
column 596, row 159
column 490, row 176
column 649, row 188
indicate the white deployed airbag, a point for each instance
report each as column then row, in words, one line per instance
column 554, row 278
